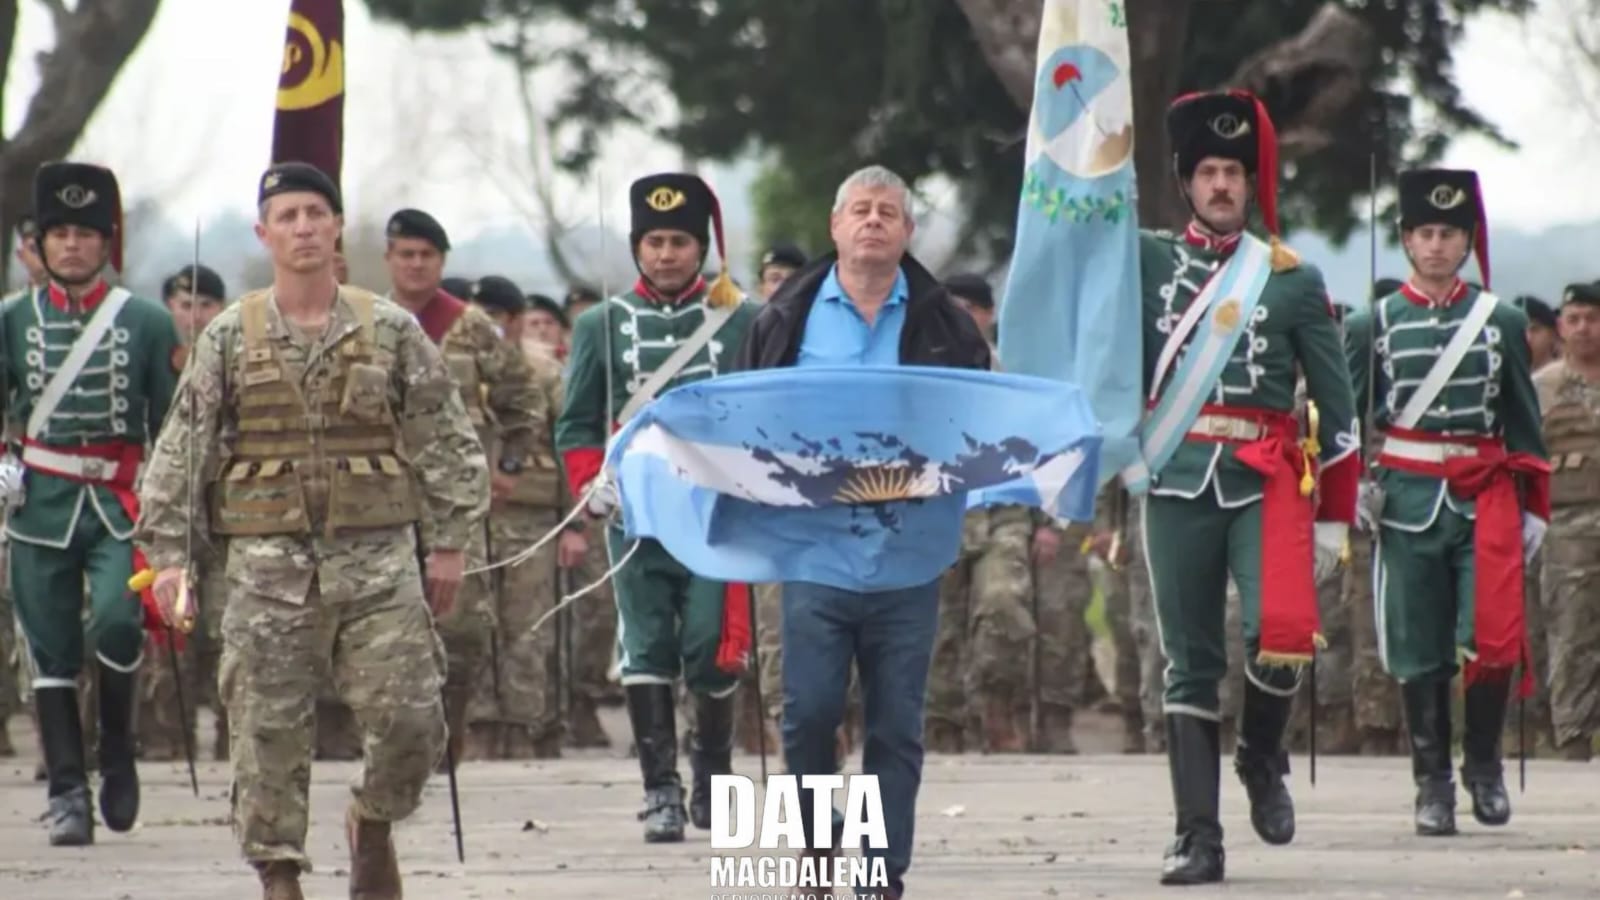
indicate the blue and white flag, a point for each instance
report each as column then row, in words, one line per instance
column 853, row 477
column 1071, row 308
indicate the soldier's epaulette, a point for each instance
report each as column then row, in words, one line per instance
column 1283, row 259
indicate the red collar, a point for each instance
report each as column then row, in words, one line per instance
column 1224, row 245
column 59, row 299
column 646, row 290
column 1457, row 291
column 439, row 314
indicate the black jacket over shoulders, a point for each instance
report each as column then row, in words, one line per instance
column 936, row 332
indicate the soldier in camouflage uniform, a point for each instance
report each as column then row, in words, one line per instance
column 984, row 639
column 515, row 710
column 1062, row 590
column 1461, row 494
column 194, row 297
column 980, row 672
column 671, row 621
column 76, row 521
column 510, row 414
column 320, row 510
column 594, row 618
column 1234, row 500
column 1569, row 395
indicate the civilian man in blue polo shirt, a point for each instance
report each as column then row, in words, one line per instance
column 870, row 304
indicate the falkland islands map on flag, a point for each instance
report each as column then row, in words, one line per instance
column 852, row 477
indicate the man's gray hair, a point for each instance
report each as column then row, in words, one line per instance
column 875, row 176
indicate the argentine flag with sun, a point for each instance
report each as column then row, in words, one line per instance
column 1071, row 311
column 853, row 477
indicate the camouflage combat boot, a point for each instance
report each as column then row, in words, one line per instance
column 583, row 725
column 280, row 881
column 1000, row 731
column 374, row 870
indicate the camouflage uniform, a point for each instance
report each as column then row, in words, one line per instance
column 1570, row 580
column 594, row 633
column 161, row 734
column 1063, row 590
column 949, row 712
column 502, row 402
column 1000, row 627
column 515, row 703
column 322, row 567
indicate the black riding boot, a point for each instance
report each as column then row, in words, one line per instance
column 119, row 779
column 61, row 734
column 1427, row 705
column 1195, row 857
column 650, row 709
column 1481, row 770
column 712, row 753
column 1261, row 763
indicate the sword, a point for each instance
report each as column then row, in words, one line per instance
column 761, row 703
column 564, row 643
column 449, row 751
column 182, row 611
column 183, row 710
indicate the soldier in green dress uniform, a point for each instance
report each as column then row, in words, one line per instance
column 90, row 370
column 1461, row 493
column 670, row 621
column 1230, row 320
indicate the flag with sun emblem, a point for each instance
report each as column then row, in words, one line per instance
column 309, row 124
column 852, row 477
column 1071, row 305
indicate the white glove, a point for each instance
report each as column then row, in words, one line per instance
column 1329, row 538
column 602, row 497
column 1366, row 521
column 1533, row 529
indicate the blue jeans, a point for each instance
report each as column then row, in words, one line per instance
column 889, row 636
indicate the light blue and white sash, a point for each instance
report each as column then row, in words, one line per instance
column 1227, row 302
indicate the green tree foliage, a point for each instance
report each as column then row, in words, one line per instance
column 829, row 85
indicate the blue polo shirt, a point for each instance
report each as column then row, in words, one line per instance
column 837, row 335
column 900, row 537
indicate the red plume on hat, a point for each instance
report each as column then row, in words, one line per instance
column 1266, row 162
column 1480, row 243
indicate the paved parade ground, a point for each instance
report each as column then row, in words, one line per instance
column 990, row 827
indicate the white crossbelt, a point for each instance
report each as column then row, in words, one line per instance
column 1227, row 428
column 90, row 468
column 1426, row 451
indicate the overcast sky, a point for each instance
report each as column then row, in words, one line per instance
column 432, row 122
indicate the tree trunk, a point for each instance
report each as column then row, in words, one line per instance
column 93, row 41
column 1157, row 32
column 1310, row 79
column 1008, row 36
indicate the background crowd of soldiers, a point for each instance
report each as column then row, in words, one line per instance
column 1016, row 654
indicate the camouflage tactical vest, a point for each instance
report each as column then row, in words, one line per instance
column 462, row 361
column 330, row 460
column 539, row 483
column 1571, row 434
